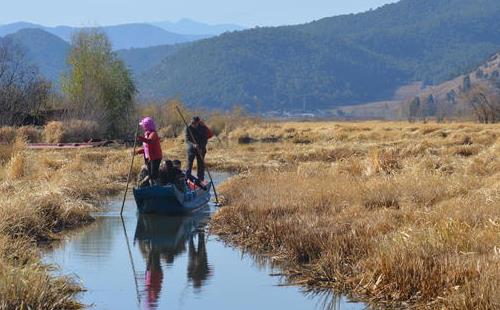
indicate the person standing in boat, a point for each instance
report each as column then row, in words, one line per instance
column 151, row 148
column 197, row 135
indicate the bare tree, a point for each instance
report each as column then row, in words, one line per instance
column 411, row 109
column 23, row 92
column 485, row 102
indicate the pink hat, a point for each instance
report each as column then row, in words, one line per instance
column 148, row 124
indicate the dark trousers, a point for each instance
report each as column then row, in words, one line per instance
column 200, row 157
column 153, row 168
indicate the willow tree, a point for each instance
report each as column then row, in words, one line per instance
column 98, row 85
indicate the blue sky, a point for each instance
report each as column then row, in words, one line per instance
column 248, row 12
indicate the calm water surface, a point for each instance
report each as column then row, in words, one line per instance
column 161, row 262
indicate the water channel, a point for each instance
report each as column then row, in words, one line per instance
column 165, row 262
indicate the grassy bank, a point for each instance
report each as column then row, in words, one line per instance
column 395, row 213
column 44, row 192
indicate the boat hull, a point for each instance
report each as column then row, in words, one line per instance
column 169, row 200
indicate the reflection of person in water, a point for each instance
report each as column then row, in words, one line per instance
column 154, row 277
column 198, row 269
column 163, row 238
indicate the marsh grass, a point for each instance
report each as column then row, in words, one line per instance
column 30, row 133
column 70, row 131
column 44, row 192
column 7, row 134
column 388, row 211
column 398, row 214
column 19, row 263
column 53, row 132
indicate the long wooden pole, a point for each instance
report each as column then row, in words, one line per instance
column 202, row 159
column 130, row 170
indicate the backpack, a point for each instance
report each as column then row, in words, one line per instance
column 210, row 133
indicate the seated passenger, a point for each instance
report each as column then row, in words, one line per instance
column 179, row 176
column 167, row 173
column 143, row 177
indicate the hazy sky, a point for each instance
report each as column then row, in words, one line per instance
column 245, row 12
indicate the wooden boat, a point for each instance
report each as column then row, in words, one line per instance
column 168, row 199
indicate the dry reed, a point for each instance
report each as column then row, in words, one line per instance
column 53, row 132
column 404, row 214
column 388, row 211
column 43, row 193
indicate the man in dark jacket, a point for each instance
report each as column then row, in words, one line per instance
column 197, row 135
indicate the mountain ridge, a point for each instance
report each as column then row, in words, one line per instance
column 189, row 26
column 124, row 36
column 49, row 53
column 320, row 64
column 45, row 50
column 335, row 61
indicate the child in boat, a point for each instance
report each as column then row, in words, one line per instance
column 151, row 148
column 143, row 177
column 180, row 177
column 167, row 173
column 177, row 164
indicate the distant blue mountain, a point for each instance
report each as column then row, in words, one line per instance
column 44, row 50
column 188, row 26
column 49, row 52
column 15, row 27
column 122, row 36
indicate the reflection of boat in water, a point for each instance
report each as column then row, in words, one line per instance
column 169, row 200
column 162, row 239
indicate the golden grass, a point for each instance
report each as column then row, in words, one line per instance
column 7, row 134
column 53, row 132
column 70, row 131
column 16, row 165
column 31, row 133
column 44, row 192
column 387, row 211
column 26, row 284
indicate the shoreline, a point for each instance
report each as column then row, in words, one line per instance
column 51, row 193
column 368, row 170
column 400, row 215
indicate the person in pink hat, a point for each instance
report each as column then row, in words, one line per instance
column 151, row 148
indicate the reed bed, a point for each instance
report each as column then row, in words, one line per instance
column 398, row 214
column 393, row 212
column 44, row 192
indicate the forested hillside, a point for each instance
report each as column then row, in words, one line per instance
column 140, row 60
column 434, row 39
column 338, row 60
column 280, row 67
